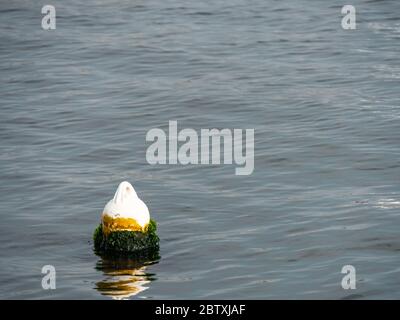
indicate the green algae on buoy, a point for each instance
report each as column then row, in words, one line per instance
column 126, row 227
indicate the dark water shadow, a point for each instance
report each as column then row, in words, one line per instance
column 124, row 276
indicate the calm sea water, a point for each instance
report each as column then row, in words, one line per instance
column 76, row 104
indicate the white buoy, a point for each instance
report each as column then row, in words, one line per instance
column 125, row 212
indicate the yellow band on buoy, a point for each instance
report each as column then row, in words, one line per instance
column 120, row 224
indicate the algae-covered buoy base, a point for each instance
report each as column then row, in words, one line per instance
column 127, row 242
column 126, row 227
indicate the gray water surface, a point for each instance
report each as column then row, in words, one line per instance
column 76, row 104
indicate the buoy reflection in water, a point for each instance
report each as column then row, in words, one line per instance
column 124, row 277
